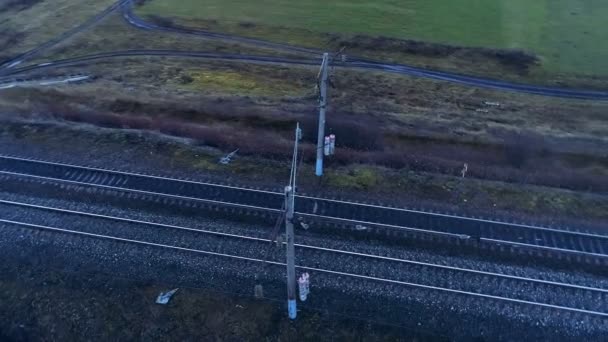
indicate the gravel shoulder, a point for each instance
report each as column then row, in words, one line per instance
column 39, row 303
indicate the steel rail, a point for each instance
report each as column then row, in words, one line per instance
column 332, row 272
column 143, row 192
column 367, row 205
column 245, row 206
column 304, row 214
column 223, row 203
column 331, row 250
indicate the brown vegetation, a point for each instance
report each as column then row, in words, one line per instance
column 392, row 121
column 237, row 122
column 516, row 59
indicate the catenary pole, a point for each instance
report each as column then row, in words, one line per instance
column 323, row 77
column 289, row 231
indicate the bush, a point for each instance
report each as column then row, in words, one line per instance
column 360, row 136
column 360, row 178
column 519, row 147
column 516, row 154
column 140, row 2
column 9, row 38
column 247, row 24
column 161, row 21
column 521, row 157
column 186, row 79
column 17, row 5
column 518, row 59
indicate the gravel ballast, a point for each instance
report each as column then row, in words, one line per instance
column 367, row 298
column 461, row 317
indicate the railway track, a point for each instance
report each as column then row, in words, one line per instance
column 319, row 260
column 357, row 216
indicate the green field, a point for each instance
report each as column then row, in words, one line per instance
column 570, row 36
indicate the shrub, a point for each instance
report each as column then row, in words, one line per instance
column 350, row 134
column 17, row 5
column 161, row 21
column 9, row 38
column 360, row 178
column 522, row 157
column 518, row 59
column 186, row 79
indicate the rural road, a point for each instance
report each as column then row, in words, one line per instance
column 392, row 68
column 13, row 62
column 7, row 69
column 364, row 63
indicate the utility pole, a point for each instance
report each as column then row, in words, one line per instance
column 291, row 268
column 323, row 76
column 290, row 191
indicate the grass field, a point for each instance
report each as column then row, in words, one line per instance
column 393, row 129
column 27, row 24
column 568, row 35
